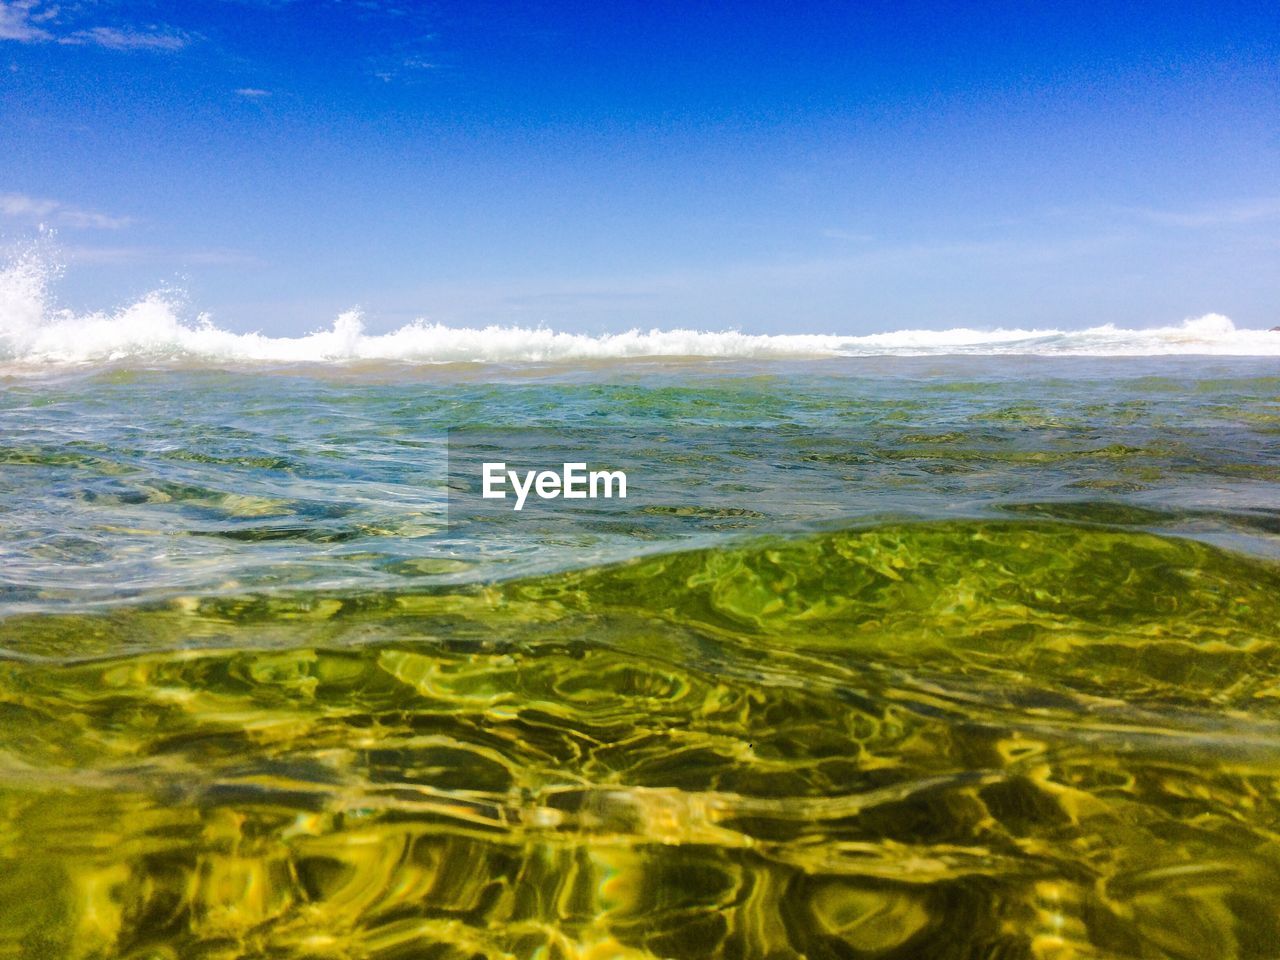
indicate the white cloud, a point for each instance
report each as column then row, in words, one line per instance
column 1265, row 208
column 253, row 93
column 20, row 20
column 1201, row 216
column 36, row 21
column 835, row 233
column 19, row 206
column 160, row 39
column 133, row 255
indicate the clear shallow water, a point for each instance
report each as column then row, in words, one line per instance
column 905, row 657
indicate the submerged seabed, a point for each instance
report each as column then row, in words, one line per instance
column 899, row 658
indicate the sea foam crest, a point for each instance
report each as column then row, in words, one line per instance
column 33, row 333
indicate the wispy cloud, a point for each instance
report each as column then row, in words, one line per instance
column 155, row 38
column 36, row 21
column 253, row 93
column 115, row 256
column 419, row 63
column 1225, row 214
column 19, row 206
column 408, row 69
column 1201, row 216
column 22, row 20
column 853, row 236
column 390, row 8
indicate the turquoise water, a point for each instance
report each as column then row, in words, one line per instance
column 888, row 657
column 149, row 484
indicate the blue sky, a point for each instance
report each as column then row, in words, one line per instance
column 828, row 167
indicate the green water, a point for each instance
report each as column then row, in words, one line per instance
column 950, row 659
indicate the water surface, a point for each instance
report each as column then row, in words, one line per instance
column 932, row 657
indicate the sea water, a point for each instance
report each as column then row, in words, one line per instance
column 904, row 656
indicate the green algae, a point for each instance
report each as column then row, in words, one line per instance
column 897, row 659
column 951, row 739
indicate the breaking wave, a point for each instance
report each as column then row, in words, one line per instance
column 153, row 329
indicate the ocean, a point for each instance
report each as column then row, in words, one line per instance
column 946, row 644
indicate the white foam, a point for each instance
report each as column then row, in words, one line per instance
column 34, row 334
